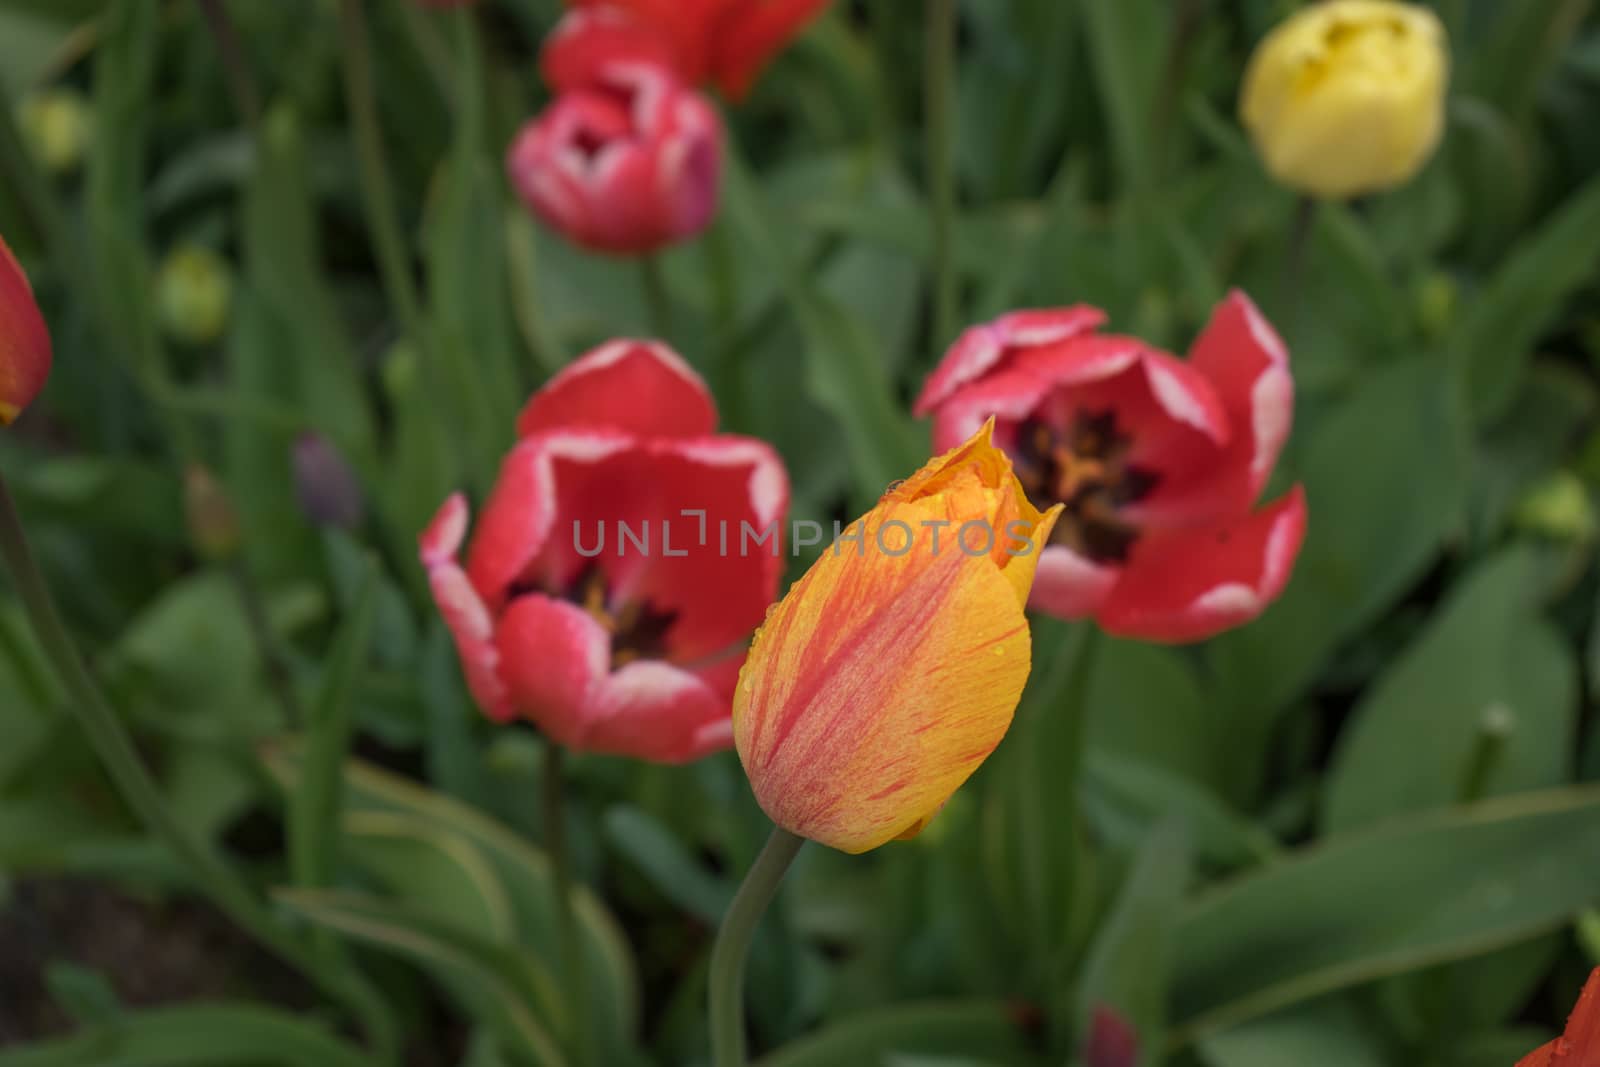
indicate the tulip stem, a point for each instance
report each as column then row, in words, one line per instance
column 139, row 790
column 656, row 299
column 733, row 945
column 939, row 74
column 555, row 843
column 235, row 65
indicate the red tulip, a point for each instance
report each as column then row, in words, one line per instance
column 723, row 41
column 1158, row 460
column 24, row 340
column 1112, row 1041
column 1580, row 1045
column 627, row 161
column 559, row 616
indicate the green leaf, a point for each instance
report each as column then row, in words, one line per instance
column 1125, row 800
column 1328, row 1033
column 314, row 808
column 1128, row 966
column 1376, row 903
column 1412, row 740
column 211, row 1035
column 1495, row 339
column 664, row 860
column 1385, row 477
column 438, row 872
column 974, row 1028
column 490, row 978
column 847, row 373
column 525, row 873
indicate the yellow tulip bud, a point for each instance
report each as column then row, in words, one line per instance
column 1347, row 97
column 194, row 291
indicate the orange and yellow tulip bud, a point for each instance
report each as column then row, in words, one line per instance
column 1347, row 97
column 891, row 669
column 24, row 341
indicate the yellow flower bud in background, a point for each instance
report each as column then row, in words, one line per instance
column 1347, row 97
column 56, row 124
column 193, row 292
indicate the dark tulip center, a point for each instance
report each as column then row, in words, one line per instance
column 1086, row 468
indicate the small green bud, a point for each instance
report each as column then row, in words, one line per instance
column 193, row 292
column 56, row 125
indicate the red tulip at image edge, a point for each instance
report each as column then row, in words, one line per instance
column 1158, row 460
column 629, row 652
column 726, row 42
column 1580, row 1045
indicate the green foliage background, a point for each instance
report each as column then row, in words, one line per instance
column 1363, row 830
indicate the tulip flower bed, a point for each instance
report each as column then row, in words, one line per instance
column 597, row 533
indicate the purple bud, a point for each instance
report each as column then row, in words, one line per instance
column 1112, row 1041
column 327, row 488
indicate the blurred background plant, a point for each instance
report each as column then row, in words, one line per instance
column 295, row 303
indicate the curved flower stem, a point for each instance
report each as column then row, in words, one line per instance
column 555, row 843
column 733, row 945
column 116, row 751
column 939, row 75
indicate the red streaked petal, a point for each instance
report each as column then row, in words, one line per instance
column 441, row 541
column 639, row 387
column 473, row 630
column 554, row 657
column 1579, row 1046
column 1069, row 586
column 1188, row 584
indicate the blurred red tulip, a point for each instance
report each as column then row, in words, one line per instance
column 1159, row 461
column 723, row 41
column 626, row 162
column 1580, row 1045
column 1112, row 1041
column 24, row 340
column 610, row 645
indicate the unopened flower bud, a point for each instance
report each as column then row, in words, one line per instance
column 194, row 291
column 1558, row 507
column 328, row 490
column 213, row 524
column 56, row 125
column 1112, row 1041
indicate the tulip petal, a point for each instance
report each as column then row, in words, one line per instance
column 554, row 657
column 877, row 686
column 983, row 348
column 638, row 387
column 1070, row 586
column 24, row 340
column 1188, row 584
column 1248, row 365
column 464, row 612
column 587, row 39
column 655, row 711
column 1579, row 1046
column 748, row 36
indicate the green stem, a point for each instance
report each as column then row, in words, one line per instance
column 235, row 66
column 656, row 298
column 254, row 608
column 938, row 90
column 121, row 759
column 733, row 945
column 555, row 843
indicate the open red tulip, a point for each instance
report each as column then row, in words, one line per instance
column 1159, row 462
column 627, row 161
column 608, row 593
column 723, row 41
